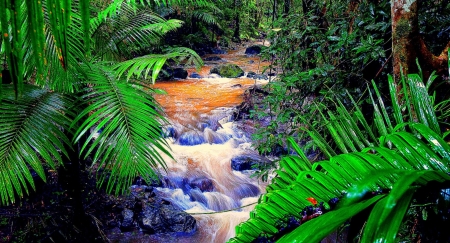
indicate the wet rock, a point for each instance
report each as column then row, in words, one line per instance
column 213, row 137
column 218, row 51
column 127, row 221
column 251, row 74
column 253, row 50
column 236, row 86
column 213, row 58
column 165, row 218
column 203, row 184
column 146, row 209
column 179, row 73
column 247, row 161
column 260, row 76
column 195, row 75
column 191, row 138
column 228, row 70
column 168, row 73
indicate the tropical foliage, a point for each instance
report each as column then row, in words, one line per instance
column 376, row 168
column 62, row 85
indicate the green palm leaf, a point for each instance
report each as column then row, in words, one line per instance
column 142, row 66
column 130, row 143
column 31, row 133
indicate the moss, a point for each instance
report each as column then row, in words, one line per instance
column 403, row 28
column 228, row 71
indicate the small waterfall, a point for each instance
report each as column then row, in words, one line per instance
column 203, row 140
column 200, row 179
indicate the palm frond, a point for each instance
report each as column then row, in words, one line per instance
column 288, row 193
column 405, row 157
column 128, row 29
column 140, row 67
column 31, row 132
column 130, row 141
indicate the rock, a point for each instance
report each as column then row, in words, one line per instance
column 179, row 73
column 195, row 75
column 228, row 70
column 218, row 51
column 165, row 218
column 203, row 184
column 253, row 50
column 191, row 138
column 146, row 209
column 260, row 76
column 213, row 58
column 251, row 62
column 236, row 86
column 127, row 221
column 168, row 73
column 247, row 161
column 251, row 74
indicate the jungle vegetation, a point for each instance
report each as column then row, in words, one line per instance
column 362, row 83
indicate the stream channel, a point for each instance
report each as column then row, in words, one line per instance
column 200, row 180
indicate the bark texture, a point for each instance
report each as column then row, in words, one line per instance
column 407, row 45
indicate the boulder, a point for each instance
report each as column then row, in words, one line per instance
column 228, row 70
column 253, row 50
column 251, row 74
column 218, row 51
column 146, row 209
column 195, row 75
column 167, row 73
column 260, row 76
column 127, row 220
column 179, row 73
column 203, row 184
column 247, row 161
column 165, row 218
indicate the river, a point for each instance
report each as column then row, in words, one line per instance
column 203, row 141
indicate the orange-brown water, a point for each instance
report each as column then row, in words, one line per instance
column 195, row 101
column 199, row 96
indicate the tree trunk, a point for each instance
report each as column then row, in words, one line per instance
column 236, row 34
column 274, row 11
column 407, row 45
column 287, row 6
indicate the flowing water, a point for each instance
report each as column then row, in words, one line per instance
column 204, row 139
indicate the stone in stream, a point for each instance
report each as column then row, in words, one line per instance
column 191, row 138
column 253, row 50
column 179, row 73
column 203, row 184
column 228, row 70
column 247, row 161
column 153, row 214
column 165, row 218
column 168, row 73
column 195, row 75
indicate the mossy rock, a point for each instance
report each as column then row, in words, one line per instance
column 228, row 70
